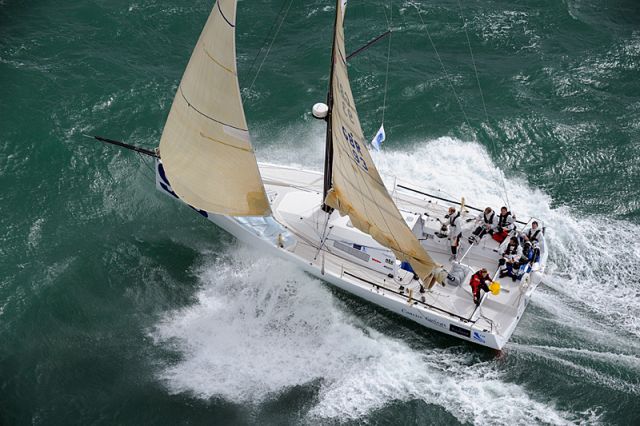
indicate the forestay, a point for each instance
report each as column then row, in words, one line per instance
column 357, row 189
column 205, row 146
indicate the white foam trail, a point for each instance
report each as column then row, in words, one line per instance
column 262, row 326
column 296, row 146
column 574, row 323
column 575, row 362
column 35, row 233
column 594, row 260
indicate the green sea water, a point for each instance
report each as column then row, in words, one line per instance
column 120, row 306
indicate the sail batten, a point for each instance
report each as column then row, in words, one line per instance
column 205, row 146
column 223, row 16
column 357, row 190
column 205, row 115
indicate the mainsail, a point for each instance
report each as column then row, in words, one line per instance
column 357, row 188
column 205, row 147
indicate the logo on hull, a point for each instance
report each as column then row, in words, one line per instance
column 479, row 337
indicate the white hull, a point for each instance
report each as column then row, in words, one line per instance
column 296, row 229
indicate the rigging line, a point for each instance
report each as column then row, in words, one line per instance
column 266, row 38
column 148, row 166
column 368, row 19
column 270, row 45
column 473, row 60
column 386, row 76
column 458, row 100
column 386, row 18
column 324, row 236
column 444, row 70
column 484, row 105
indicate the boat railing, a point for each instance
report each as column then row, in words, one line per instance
column 441, row 195
column 466, row 252
column 411, row 300
column 482, row 299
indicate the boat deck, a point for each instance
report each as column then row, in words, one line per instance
column 296, row 196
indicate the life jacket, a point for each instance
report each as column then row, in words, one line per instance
column 502, row 220
column 533, row 236
column 476, row 282
column 536, row 254
column 490, row 218
column 511, row 250
column 453, row 218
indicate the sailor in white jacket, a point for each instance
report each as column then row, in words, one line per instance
column 506, row 221
column 504, row 226
column 533, row 234
column 455, row 231
column 510, row 259
column 487, row 222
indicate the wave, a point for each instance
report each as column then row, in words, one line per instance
column 262, row 327
column 591, row 257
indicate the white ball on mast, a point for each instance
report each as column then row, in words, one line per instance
column 320, row 110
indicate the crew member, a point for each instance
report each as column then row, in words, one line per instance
column 479, row 281
column 534, row 233
column 487, row 220
column 505, row 225
column 530, row 255
column 510, row 259
column 455, row 231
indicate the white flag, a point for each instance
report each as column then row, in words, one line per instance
column 378, row 138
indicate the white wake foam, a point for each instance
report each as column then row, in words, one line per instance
column 593, row 259
column 262, row 326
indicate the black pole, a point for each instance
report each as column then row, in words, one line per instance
column 328, row 152
column 449, row 201
column 369, row 44
column 125, row 145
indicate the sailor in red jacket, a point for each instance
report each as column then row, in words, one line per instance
column 479, row 281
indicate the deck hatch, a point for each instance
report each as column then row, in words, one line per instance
column 352, row 251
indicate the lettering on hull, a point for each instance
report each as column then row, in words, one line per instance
column 431, row 321
column 459, row 330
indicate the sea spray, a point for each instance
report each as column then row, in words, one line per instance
column 593, row 259
column 261, row 327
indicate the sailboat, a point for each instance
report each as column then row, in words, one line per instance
column 343, row 226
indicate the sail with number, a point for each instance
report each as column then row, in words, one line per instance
column 205, row 146
column 357, row 188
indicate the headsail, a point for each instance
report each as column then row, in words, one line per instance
column 205, row 146
column 357, row 188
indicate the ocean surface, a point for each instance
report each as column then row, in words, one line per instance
column 119, row 305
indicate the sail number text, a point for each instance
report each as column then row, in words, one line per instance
column 356, row 151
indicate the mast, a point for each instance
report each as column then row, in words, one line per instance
column 357, row 189
column 328, row 151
